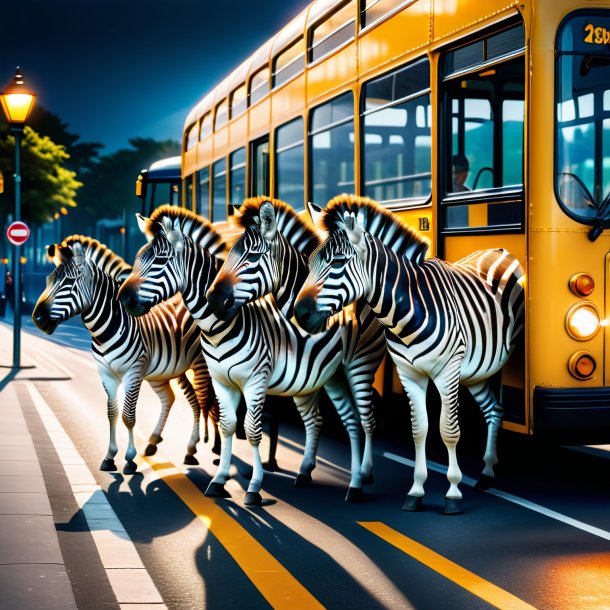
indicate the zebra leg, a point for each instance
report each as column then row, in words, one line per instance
column 202, row 382
column 492, row 412
column 166, row 395
column 111, row 386
column 415, row 386
column 191, row 396
column 132, row 383
column 340, row 396
column 228, row 399
column 308, row 407
column 448, row 383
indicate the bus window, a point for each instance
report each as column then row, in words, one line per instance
column 373, row 10
column 221, row 116
column 191, row 137
column 187, row 190
column 206, row 126
column 290, row 163
column 203, row 200
column 483, row 97
column 259, row 167
column 219, row 190
column 335, row 30
column 331, row 145
column 259, row 85
column 582, row 138
column 288, row 63
column 396, row 119
column 238, row 176
column 238, row 100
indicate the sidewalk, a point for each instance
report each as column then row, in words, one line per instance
column 32, row 569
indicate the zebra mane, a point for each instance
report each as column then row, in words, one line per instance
column 292, row 225
column 199, row 229
column 379, row 222
column 101, row 255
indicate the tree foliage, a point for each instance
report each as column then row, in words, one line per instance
column 47, row 185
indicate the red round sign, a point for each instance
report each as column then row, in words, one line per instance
column 18, row 233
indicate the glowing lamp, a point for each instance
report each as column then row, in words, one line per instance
column 583, row 321
column 17, row 100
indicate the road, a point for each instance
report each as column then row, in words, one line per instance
column 540, row 539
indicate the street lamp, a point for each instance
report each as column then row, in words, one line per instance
column 17, row 102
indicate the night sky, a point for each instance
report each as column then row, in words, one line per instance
column 117, row 69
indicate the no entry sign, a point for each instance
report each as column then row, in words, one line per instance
column 18, row 233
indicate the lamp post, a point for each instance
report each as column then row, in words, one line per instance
column 17, row 102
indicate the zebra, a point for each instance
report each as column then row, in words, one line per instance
column 160, row 347
column 270, row 257
column 257, row 352
column 444, row 322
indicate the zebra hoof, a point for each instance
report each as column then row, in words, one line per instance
column 271, row 466
column 253, row 498
column 302, row 480
column 368, row 479
column 108, row 465
column 484, row 483
column 414, row 503
column 453, row 506
column 217, row 490
column 130, row 467
column 150, row 449
column 191, row 460
column 354, row 495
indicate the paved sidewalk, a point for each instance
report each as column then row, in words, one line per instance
column 32, row 569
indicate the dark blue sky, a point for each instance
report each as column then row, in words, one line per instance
column 118, row 69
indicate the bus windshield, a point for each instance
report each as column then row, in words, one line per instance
column 582, row 153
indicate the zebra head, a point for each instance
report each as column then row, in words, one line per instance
column 157, row 273
column 250, row 269
column 337, row 275
column 68, row 290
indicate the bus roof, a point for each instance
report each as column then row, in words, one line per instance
column 165, row 169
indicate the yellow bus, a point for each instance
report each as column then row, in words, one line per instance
column 482, row 123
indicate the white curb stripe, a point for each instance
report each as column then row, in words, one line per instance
column 547, row 512
column 128, row 577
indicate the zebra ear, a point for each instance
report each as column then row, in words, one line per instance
column 78, row 253
column 173, row 233
column 54, row 254
column 316, row 213
column 143, row 223
column 268, row 221
column 235, row 210
column 353, row 229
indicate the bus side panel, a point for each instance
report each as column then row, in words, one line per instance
column 335, row 72
column 471, row 12
column 288, row 100
column 406, row 31
column 260, row 119
column 238, row 133
column 204, row 152
column 420, row 219
column 189, row 164
column 221, row 142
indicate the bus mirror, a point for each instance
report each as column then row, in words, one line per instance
column 141, row 185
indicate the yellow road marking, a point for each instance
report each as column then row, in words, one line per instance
column 464, row 578
column 267, row 574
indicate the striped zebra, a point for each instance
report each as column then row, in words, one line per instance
column 160, row 347
column 448, row 323
column 270, row 257
column 257, row 352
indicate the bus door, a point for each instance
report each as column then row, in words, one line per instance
column 259, row 167
column 481, row 162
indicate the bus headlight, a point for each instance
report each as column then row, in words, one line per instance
column 583, row 321
column 582, row 365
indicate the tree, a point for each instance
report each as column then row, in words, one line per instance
column 47, row 185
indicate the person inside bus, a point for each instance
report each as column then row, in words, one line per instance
column 461, row 168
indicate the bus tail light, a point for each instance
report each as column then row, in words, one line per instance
column 583, row 321
column 581, row 284
column 582, row 365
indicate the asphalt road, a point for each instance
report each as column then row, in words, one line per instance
column 541, row 538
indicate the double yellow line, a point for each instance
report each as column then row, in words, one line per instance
column 274, row 582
